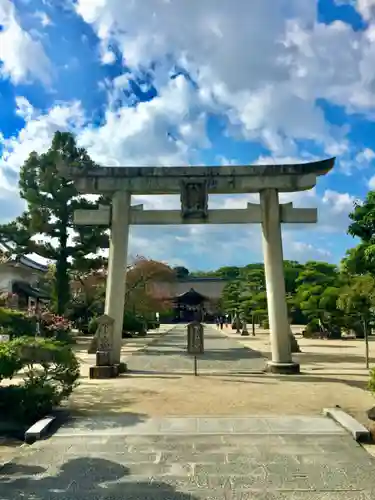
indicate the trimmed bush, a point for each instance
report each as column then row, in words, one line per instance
column 312, row 329
column 92, row 326
column 50, row 372
column 17, row 323
column 131, row 324
column 265, row 324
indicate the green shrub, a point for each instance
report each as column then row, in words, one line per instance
column 312, row 329
column 50, row 373
column 17, row 323
column 80, row 313
column 371, row 383
column 265, row 324
column 56, row 327
column 131, row 323
column 92, row 326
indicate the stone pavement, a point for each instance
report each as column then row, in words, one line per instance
column 222, row 355
column 128, row 457
column 134, row 457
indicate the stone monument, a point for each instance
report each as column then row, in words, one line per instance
column 244, row 331
column 105, row 366
column 237, row 323
column 195, row 338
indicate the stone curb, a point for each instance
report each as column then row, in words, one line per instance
column 39, row 429
column 359, row 432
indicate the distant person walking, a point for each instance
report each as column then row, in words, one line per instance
column 221, row 322
column 217, row 322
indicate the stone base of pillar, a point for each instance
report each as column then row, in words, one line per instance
column 101, row 372
column 283, row 368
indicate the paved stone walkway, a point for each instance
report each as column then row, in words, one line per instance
column 134, row 457
column 294, row 458
column 222, row 355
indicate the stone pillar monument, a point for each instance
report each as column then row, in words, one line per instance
column 274, row 271
column 117, row 264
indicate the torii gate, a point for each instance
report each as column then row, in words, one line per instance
column 194, row 184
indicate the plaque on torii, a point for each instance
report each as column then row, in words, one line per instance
column 194, row 199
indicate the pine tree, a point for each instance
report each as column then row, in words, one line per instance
column 46, row 227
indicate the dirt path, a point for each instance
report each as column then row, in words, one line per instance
column 333, row 374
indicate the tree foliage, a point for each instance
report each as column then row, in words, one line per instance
column 357, row 300
column 361, row 259
column 181, row 272
column 145, row 292
column 50, row 372
column 46, row 227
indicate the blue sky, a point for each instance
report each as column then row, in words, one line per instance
column 184, row 83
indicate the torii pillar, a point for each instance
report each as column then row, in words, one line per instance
column 117, row 266
column 282, row 361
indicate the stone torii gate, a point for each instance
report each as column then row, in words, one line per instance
column 194, row 184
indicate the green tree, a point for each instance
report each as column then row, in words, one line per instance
column 46, row 227
column 363, row 217
column 361, row 259
column 230, row 298
column 357, row 300
column 246, row 294
column 318, row 288
column 181, row 272
column 358, row 261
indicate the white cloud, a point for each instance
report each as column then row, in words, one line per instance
column 365, row 7
column 43, row 18
column 371, row 183
column 338, row 203
column 38, row 131
column 267, row 81
column 303, row 251
column 124, row 144
column 365, row 156
column 22, row 58
column 163, row 131
column 263, row 64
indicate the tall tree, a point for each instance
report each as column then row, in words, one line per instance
column 361, row 259
column 357, row 300
column 318, row 288
column 46, row 227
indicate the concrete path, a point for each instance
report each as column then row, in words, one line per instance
column 222, row 355
column 131, row 456
column 294, row 458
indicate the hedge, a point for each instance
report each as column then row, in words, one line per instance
column 131, row 324
column 17, row 323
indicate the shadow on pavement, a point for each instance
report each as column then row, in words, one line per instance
column 231, row 354
column 323, row 358
column 86, row 421
column 83, row 478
